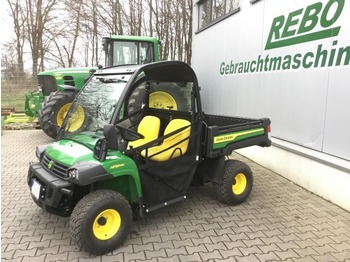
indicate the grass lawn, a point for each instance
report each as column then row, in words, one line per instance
column 13, row 94
column 16, row 102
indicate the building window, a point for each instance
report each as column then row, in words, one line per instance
column 218, row 7
column 204, row 14
column 212, row 11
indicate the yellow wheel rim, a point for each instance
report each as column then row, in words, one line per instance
column 77, row 119
column 240, row 184
column 61, row 114
column 162, row 100
column 106, row 224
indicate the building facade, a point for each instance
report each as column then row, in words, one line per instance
column 289, row 61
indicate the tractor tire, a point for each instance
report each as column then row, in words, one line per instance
column 101, row 221
column 236, row 184
column 53, row 111
column 168, row 98
column 161, row 98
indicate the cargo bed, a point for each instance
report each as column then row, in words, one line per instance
column 223, row 134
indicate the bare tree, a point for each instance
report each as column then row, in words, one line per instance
column 186, row 25
column 69, row 33
column 135, row 17
column 111, row 16
column 172, row 23
column 19, row 18
column 75, row 10
column 39, row 15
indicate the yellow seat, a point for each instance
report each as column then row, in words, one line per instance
column 149, row 128
column 171, row 151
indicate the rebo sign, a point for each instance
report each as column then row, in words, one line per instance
column 298, row 27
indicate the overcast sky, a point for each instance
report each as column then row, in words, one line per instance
column 6, row 31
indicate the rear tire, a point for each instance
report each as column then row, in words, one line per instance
column 236, row 184
column 101, row 221
column 53, row 110
column 164, row 97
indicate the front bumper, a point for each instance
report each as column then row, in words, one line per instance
column 52, row 193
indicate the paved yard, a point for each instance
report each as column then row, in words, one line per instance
column 279, row 222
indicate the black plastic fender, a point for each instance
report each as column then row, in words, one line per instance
column 89, row 173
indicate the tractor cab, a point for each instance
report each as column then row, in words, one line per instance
column 130, row 50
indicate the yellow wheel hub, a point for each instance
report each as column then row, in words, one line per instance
column 77, row 119
column 106, row 224
column 240, row 184
column 162, row 100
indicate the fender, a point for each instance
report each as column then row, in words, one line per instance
column 86, row 173
column 68, row 88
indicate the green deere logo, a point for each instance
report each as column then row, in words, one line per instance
column 50, row 164
column 298, row 26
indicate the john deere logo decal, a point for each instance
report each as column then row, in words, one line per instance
column 50, row 164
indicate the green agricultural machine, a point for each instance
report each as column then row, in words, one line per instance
column 58, row 88
column 141, row 140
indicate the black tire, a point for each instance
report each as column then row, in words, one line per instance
column 49, row 112
column 135, row 101
column 101, row 221
column 236, row 184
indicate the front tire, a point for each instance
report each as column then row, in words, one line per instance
column 236, row 184
column 101, row 221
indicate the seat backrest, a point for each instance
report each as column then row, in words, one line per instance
column 149, row 128
column 172, row 151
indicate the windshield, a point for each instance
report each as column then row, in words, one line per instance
column 94, row 105
column 129, row 52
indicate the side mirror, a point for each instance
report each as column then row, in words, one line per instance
column 110, row 134
column 100, row 149
column 110, row 141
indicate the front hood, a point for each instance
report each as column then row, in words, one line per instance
column 70, row 70
column 68, row 152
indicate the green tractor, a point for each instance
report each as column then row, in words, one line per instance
column 59, row 87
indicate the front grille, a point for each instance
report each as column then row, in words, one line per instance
column 54, row 167
column 48, row 84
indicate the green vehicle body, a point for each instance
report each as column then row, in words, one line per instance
column 122, row 171
column 82, row 171
column 73, row 79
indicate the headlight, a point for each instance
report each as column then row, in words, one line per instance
column 39, row 152
column 73, row 174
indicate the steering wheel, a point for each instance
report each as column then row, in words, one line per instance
column 129, row 134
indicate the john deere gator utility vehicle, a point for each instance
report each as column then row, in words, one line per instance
column 58, row 88
column 141, row 140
